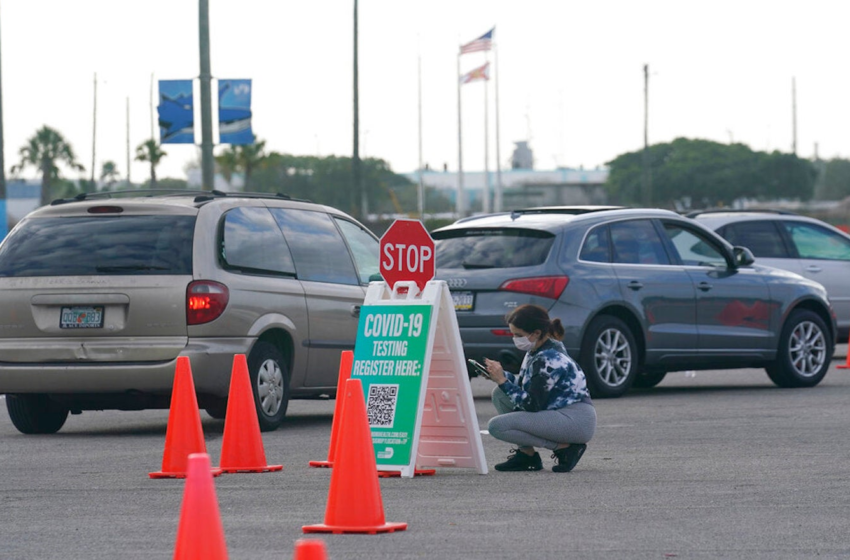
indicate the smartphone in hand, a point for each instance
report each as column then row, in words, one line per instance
column 479, row 368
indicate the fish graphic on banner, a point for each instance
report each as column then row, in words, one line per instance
column 234, row 112
column 176, row 112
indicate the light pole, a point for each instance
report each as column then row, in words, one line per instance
column 206, row 96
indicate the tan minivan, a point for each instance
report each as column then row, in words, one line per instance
column 100, row 295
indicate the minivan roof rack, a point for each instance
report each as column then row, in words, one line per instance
column 200, row 195
column 696, row 213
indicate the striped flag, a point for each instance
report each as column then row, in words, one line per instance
column 480, row 73
column 483, row 43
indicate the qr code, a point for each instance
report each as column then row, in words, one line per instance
column 380, row 406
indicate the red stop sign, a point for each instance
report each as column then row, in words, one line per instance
column 407, row 253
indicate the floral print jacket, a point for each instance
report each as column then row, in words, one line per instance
column 547, row 380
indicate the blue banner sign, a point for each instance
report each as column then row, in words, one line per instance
column 234, row 112
column 176, row 112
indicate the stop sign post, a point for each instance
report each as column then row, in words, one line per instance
column 407, row 254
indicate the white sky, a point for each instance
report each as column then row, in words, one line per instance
column 571, row 75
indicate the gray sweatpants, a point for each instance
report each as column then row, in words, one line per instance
column 575, row 423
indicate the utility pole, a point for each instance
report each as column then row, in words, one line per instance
column 794, row 115
column 357, row 187
column 420, row 198
column 94, row 133
column 647, row 171
column 129, row 182
column 460, row 202
column 4, row 225
column 153, row 136
column 206, row 96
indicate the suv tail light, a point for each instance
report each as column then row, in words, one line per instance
column 546, row 286
column 205, row 301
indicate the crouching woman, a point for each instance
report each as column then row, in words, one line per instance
column 547, row 403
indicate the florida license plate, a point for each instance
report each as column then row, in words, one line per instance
column 81, row 317
column 464, row 301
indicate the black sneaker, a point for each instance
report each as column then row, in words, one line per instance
column 519, row 461
column 567, row 458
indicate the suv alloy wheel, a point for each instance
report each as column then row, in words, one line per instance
column 609, row 357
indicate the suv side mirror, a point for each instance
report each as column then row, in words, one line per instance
column 376, row 277
column 743, row 256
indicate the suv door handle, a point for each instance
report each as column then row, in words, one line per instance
column 355, row 311
column 705, row 286
column 813, row 268
column 635, row 285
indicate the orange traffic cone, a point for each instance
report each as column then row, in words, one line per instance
column 354, row 499
column 200, row 535
column 184, row 434
column 241, row 444
column 310, row 549
column 345, row 362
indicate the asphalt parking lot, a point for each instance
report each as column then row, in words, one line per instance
column 720, row 464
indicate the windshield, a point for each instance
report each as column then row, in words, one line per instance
column 492, row 248
column 86, row 246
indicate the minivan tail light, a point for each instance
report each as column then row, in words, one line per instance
column 205, row 301
column 545, row 286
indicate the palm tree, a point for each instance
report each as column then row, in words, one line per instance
column 109, row 173
column 44, row 150
column 150, row 151
column 243, row 158
column 250, row 155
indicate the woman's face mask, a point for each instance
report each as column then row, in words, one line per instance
column 523, row 343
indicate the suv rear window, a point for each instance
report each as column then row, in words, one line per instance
column 492, row 248
column 99, row 246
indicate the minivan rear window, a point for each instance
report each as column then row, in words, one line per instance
column 492, row 248
column 99, row 246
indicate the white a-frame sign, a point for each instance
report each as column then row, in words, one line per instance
column 410, row 361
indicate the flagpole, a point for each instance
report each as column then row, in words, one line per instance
column 498, row 201
column 421, row 192
column 485, row 198
column 461, row 207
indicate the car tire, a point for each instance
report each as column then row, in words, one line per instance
column 270, row 384
column 609, row 357
column 36, row 414
column 648, row 380
column 805, row 351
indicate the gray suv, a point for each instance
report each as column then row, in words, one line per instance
column 101, row 294
column 804, row 245
column 640, row 292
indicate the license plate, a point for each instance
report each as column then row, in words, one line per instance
column 88, row 317
column 463, row 301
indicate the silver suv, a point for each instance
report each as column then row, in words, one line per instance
column 102, row 293
column 803, row 245
column 640, row 293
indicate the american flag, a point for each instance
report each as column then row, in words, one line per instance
column 480, row 73
column 483, row 43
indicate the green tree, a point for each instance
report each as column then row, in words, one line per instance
column 700, row 173
column 109, row 173
column 44, row 151
column 327, row 180
column 150, row 151
column 167, row 183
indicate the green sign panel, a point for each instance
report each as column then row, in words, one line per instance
column 389, row 360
